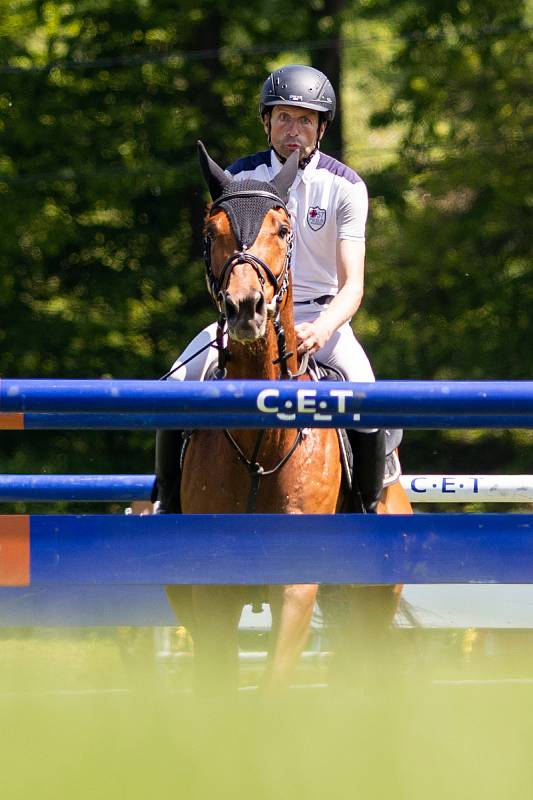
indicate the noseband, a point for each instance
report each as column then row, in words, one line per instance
column 280, row 283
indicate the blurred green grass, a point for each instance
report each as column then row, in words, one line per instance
column 96, row 717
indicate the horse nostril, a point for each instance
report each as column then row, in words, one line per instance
column 259, row 304
column 231, row 307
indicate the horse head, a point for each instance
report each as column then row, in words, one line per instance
column 247, row 246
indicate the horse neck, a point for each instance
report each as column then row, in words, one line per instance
column 256, row 362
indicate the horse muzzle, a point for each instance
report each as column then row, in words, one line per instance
column 246, row 315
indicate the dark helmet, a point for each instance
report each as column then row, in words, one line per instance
column 298, row 85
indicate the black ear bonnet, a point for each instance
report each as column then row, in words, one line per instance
column 247, row 203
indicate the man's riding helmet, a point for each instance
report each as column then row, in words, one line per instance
column 301, row 86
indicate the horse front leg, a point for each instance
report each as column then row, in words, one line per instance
column 367, row 649
column 179, row 597
column 216, row 614
column 292, row 609
column 359, row 620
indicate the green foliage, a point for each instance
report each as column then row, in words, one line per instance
column 101, row 104
column 450, row 258
column 450, row 273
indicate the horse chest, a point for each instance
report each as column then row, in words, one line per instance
column 215, row 479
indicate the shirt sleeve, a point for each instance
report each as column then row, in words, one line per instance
column 352, row 211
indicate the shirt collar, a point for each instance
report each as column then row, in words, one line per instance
column 275, row 162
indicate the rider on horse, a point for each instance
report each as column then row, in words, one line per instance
column 328, row 204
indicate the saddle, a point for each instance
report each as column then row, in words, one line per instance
column 393, row 436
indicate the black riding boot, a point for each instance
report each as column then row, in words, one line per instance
column 167, row 484
column 368, row 451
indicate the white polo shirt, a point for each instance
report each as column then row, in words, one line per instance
column 328, row 201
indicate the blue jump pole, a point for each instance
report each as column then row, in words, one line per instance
column 270, row 548
column 280, row 404
column 128, row 488
column 82, row 488
column 186, row 421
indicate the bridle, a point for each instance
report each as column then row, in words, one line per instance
column 216, row 286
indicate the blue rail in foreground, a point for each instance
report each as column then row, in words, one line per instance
column 258, row 549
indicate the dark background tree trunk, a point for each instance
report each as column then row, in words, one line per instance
column 326, row 28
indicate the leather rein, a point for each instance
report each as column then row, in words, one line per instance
column 216, row 287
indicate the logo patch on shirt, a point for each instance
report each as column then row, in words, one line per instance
column 316, row 217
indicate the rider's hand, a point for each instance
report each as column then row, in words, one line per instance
column 311, row 336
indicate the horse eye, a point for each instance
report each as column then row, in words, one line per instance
column 283, row 231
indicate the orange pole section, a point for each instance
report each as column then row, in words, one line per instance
column 15, row 550
column 12, row 421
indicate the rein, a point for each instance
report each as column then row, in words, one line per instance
column 255, row 470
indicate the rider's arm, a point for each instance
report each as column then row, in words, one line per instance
column 351, row 217
column 350, row 275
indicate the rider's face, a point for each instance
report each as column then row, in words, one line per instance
column 293, row 128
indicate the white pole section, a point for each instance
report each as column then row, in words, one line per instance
column 469, row 488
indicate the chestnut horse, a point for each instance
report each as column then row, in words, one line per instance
column 248, row 246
